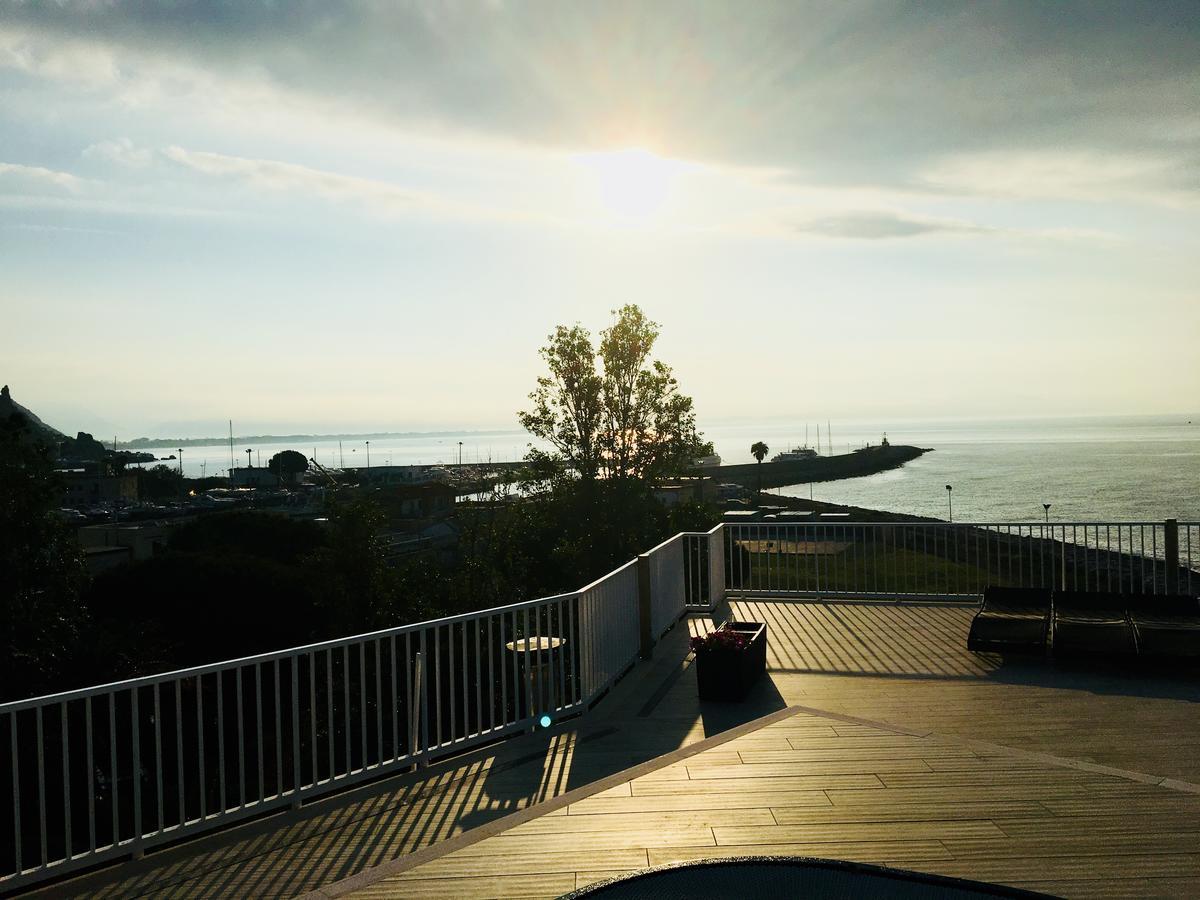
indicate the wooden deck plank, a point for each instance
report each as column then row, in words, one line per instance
column 646, row 820
column 757, row 783
column 458, row 865
column 908, row 812
column 706, row 800
column 936, row 830
column 883, row 852
column 527, row 884
column 804, row 753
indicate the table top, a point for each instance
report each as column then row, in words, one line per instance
column 534, row 644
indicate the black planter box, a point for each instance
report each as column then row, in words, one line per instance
column 729, row 674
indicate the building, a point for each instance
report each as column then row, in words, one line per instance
column 141, row 540
column 692, row 489
column 90, row 486
column 433, row 500
column 253, row 477
column 385, row 475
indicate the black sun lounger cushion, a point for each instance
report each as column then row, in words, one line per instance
column 1011, row 620
column 1165, row 625
column 1091, row 622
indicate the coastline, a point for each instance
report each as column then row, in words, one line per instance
column 869, row 461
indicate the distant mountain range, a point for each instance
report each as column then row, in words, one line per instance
column 137, row 443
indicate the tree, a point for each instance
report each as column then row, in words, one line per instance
column 41, row 567
column 614, row 414
column 287, row 464
column 760, row 451
column 159, row 483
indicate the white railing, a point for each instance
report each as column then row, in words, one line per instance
column 107, row 771
column 608, row 633
column 667, row 587
column 946, row 561
column 103, row 772
column 703, row 569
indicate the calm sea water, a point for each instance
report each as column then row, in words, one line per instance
column 1114, row 469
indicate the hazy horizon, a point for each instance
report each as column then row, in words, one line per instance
column 370, row 217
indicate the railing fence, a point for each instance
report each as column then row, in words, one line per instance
column 102, row 772
column 959, row 560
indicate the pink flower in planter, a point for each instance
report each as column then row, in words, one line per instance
column 721, row 640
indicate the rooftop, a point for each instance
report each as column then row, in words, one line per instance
column 876, row 738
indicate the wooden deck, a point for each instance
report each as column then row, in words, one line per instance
column 815, row 785
column 1078, row 781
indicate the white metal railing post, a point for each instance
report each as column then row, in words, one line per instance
column 414, row 709
column 645, row 611
column 1171, row 552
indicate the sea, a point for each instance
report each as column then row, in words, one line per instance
column 1129, row 468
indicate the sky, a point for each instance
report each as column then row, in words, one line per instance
column 322, row 216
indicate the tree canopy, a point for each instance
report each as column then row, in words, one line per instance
column 612, row 413
column 287, row 464
column 41, row 566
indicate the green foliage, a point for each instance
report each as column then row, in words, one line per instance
column 180, row 609
column 614, row 414
column 265, row 535
column 358, row 590
column 41, row 567
column 287, row 464
column 759, row 450
column 160, row 482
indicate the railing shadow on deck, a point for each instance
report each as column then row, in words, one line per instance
column 927, row 642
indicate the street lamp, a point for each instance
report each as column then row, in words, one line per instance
column 1046, row 507
column 460, row 453
column 949, row 501
column 368, row 456
column 180, row 460
column 249, row 465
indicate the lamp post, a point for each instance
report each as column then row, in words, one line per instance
column 1046, row 507
column 368, row 456
column 949, row 501
column 249, row 465
column 180, row 460
column 460, row 453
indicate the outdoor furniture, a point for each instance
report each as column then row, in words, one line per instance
column 540, row 660
column 1165, row 626
column 1091, row 623
column 771, row 877
column 1011, row 620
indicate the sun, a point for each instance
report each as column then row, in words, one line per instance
column 631, row 187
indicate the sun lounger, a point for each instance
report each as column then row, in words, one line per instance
column 1092, row 623
column 1165, row 626
column 1011, row 620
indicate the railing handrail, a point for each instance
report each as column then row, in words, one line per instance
column 1053, row 523
column 221, row 665
column 226, row 664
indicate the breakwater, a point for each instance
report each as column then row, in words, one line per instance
column 821, row 468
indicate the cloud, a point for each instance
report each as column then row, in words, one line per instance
column 376, row 195
column 36, row 176
column 121, row 151
column 846, row 92
column 1065, row 174
column 874, row 226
